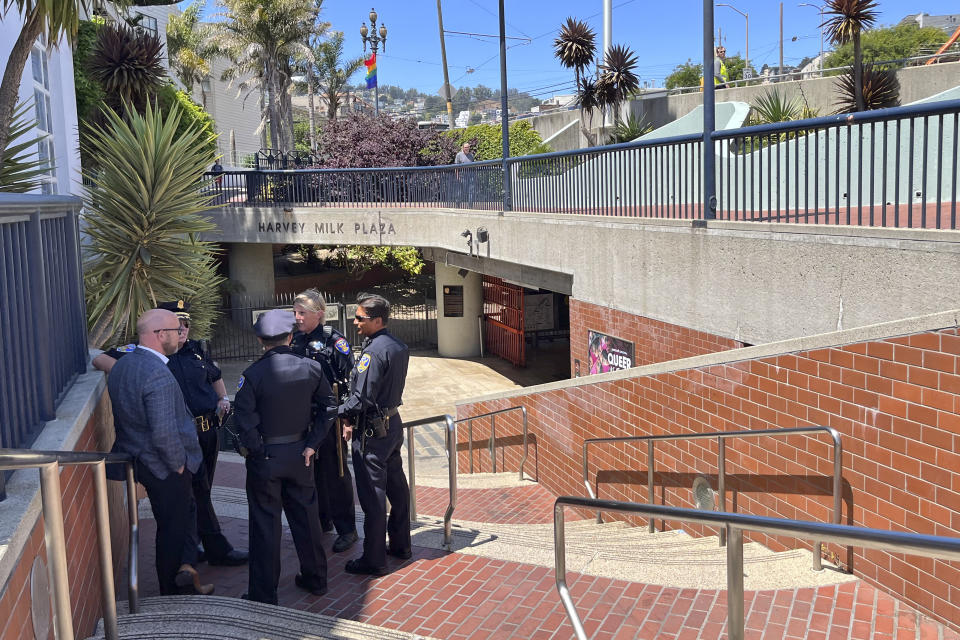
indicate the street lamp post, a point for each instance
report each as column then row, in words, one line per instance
column 820, row 11
column 746, row 16
column 370, row 37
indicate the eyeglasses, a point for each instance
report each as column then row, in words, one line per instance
column 179, row 330
column 360, row 318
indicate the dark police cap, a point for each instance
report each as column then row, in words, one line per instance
column 179, row 307
column 275, row 322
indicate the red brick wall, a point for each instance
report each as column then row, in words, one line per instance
column 653, row 341
column 76, row 484
column 896, row 403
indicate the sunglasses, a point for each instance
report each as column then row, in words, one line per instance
column 360, row 318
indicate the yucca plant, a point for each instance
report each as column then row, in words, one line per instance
column 575, row 46
column 774, row 106
column 20, row 167
column 880, row 89
column 128, row 63
column 618, row 77
column 142, row 217
column 630, row 129
column 848, row 20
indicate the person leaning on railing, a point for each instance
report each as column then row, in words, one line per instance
column 465, row 177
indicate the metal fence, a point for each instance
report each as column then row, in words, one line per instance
column 43, row 341
column 890, row 167
column 233, row 337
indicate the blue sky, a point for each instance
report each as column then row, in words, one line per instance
column 663, row 34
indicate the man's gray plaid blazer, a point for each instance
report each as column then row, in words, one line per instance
column 151, row 418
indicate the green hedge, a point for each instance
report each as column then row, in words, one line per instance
column 488, row 145
column 192, row 114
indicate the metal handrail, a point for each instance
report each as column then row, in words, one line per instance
column 939, row 547
column 722, row 437
column 493, row 436
column 49, row 463
column 451, row 442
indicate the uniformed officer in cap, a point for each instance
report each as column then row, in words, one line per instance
column 206, row 396
column 327, row 346
column 284, row 406
column 372, row 420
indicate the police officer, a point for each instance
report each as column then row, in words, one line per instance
column 284, row 407
column 327, row 346
column 371, row 418
column 206, row 396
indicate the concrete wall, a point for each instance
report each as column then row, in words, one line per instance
column 459, row 337
column 750, row 282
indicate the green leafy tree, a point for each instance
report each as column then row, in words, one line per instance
column 735, row 66
column 333, row 71
column 847, row 20
column 486, row 140
column 684, row 75
column 191, row 48
column 887, row 43
column 192, row 116
column 88, row 90
column 142, row 215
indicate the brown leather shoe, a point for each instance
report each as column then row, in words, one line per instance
column 188, row 581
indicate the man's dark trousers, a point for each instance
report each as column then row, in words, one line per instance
column 170, row 499
column 279, row 482
column 335, row 493
column 379, row 472
column 207, row 531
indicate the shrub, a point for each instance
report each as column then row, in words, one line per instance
column 192, row 115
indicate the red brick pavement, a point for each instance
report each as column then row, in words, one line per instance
column 463, row 597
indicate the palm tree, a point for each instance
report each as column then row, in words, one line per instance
column 333, row 72
column 576, row 49
column 191, row 48
column 262, row 38
column 142, row 217
column 617, row 77
column 848, row 19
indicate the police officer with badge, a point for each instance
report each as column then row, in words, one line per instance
column 284, row 406
column 206, row 397
column 371, row 419
column 327, row 346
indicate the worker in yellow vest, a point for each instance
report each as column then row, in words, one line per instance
column 720, row 68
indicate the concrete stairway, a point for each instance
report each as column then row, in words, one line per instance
column 215, row 618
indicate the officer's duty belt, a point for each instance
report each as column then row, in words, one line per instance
column 204, row 422
column 288, row 439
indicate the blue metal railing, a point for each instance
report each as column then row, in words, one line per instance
column 893, row 167
column 42, row 313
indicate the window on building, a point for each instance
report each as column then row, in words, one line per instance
column 206, row 85
column 43, row 113
column 148, row 24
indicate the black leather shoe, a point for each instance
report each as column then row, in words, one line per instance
column 309, row 585
column 234, row 558
column 359, row 566
column 403, row 554
column 345, row 541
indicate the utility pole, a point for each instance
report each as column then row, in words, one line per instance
column 607, row 44
column 709, row 116
column 780, row 70
column 504, row 112
column 446, row 75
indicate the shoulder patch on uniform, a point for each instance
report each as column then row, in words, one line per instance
column 343, row 346
column 240, row 383
column 364, row 363
column 127, row 348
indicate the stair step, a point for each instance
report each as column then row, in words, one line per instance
column 218, row 618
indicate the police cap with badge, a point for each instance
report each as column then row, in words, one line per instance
column 273, row 324
column 179, row 307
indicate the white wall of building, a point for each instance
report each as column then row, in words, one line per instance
column 54, row 83
column 232, row 109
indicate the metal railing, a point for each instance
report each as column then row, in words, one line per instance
column 722, row 437
column 451, row 443
column 40, row 280
column 735, row 524
column 493, row 436
column 49, row 463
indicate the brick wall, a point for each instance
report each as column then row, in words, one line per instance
column 895, row 401
column 653, row 340
column 76, row 484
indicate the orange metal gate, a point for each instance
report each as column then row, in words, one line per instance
column 503, row 320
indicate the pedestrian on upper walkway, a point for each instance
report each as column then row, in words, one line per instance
column 466, row 177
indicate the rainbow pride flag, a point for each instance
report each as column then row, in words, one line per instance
column 371, row 64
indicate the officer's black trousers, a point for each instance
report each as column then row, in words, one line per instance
column 379, row 474
column 280, row 481
column 207, row 531
column 335, row 494
column 170, row 501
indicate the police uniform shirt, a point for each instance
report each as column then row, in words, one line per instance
column 195, row 373
column 270, row 399
column 332, row 350
column 378, row 379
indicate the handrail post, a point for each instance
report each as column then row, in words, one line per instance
column 133, row 552
column 55, row 542
column 560, row 571
column 493, row 442
column 106, row 551
column 651, row 526
column 523, row 461
column 470, row 442
column 734, row 583
column 412, row 472
column 722, row 481
column 452, row 471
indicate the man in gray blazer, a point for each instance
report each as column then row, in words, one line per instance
column 154, row 426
